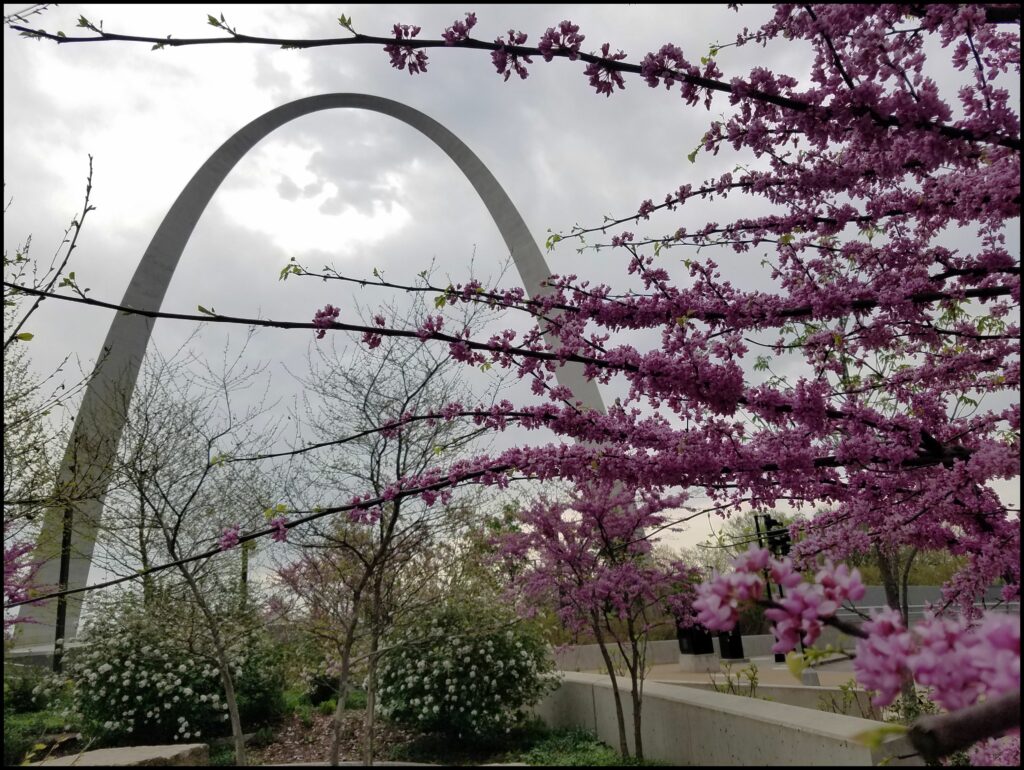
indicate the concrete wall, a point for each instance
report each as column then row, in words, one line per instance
column 686, row 726
column 802, row 696
column 587, row 657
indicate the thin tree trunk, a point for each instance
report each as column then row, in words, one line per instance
column 243, row 587
column 219, row 650
column 637, row 658
column 905, row 586
column 371, row 699
column 343, row 677
column 147, row 579
column 224, row 666
column 619, row 716
column 888, row 568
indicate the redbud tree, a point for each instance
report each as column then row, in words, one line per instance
column 589, row 557
column 885, row 189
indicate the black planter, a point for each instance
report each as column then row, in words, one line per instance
column 695, row 640
column 731, row 644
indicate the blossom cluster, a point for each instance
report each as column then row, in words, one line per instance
column 230, row 536
column 19, row 573
column 960, row 661
column 507, row 62
column 151, row 692
column 798, row 614
column 403, row 56
column 459, row 30
column 323, row 319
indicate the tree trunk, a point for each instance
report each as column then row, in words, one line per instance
column 888, row 569
column 619, row 716
column 243, row 587
column 339, row 710
column 220, row 652
column 905, row 586
column 147, row 579
column 371, row 700
column 223, row 664
column 637, row 656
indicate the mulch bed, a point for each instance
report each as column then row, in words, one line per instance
column 295, row 742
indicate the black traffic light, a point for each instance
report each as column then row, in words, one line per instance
column 778, row 536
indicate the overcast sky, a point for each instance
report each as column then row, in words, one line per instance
column 355, row 190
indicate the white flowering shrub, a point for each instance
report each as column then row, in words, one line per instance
column 29, row 688
column 136, row 683
column 449, row 675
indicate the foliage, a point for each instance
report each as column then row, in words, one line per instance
column 328, row 706
column 135, row 682
column 23, row 731
column 929, row 568
column 222, row 755
column 575, row 748
column 734, row 684
column 449, row 673
column 29, row 688
column 356, row 700
column 530, row 743
column 848, row 698
column 320, row 685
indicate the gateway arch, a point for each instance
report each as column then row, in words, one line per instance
column 98, row 427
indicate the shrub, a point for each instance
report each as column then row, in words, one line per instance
column 356, row 699
column 574, row 747
column 26, row 688
column 260, row 683
column 448, row 675
column 136, row 683
column 327, row 707
column 320, row 685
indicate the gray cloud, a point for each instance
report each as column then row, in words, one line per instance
column 287, row 189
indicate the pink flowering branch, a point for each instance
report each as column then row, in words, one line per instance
column 19, row 574
column 939, row 735
column 972, row 670
column 667, row 66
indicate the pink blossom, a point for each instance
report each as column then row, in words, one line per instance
column 229, row 538
column 506, row 62
column 565, row 37
column 19, row 574
column 881, row 662
column 404, row 55
column 459, row 30
column 279, row 524
column 996, row 752
column 323, row 319
column 602, row 77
